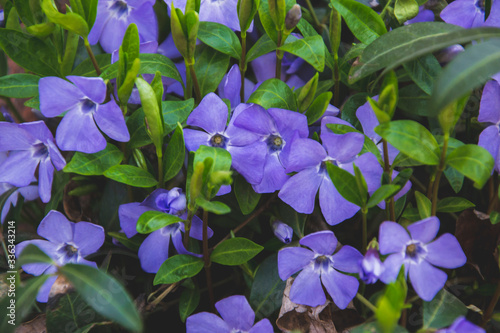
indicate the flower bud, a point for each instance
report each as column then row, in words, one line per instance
column 246, row 12
column 293, row 17
column 370, row 267
column 277, row 8
column 283, row 231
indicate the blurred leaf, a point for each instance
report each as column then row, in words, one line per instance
column 294, row 219
column 235, row 251
column 177, row 268
column 414, row 100
column 32, row 254
column 94, row 164
column 69, row 21
column 391, row 303
column 131, row 175
column 442, row 310
column 153, row 220
column 423, row 71
column 19, row 85
column 405, row 10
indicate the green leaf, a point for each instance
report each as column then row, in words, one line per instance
column 220, row 38
column 423, row 71
column 267, row 288
column 424, row 205
column 221, row 161
column 274, row 93
column 131, row 175
column 410, row 42
column 152, row 112
column 131, row 44
column 20, row 47
column 32, row 254
column 318, row 107
column 470, row 69
column 150, row 64
column 294, row 219
column 311, row 49
column 41, row 30
column 442, row 310
column 25, row 11
column 235, row 251
column 363, row 21
column 210, row 68
column 174, row 154
column 104, row 294
column 382, row 193
column 391, row 303
column 412, row 139
column 346, row 185
column 453, row 204
column 90, row 8
column 153, row 220
column 94, row 164
column 414, row 100
column 188, row 302
column 19, row 85
column 405, row 10
column 245, row 195
column 177, row 268
column 455, row 178
column 86, row 68
column 494, row 217
column 132, row 243
column 263, row 46
column 216, row 207
column 266, row 18
column 473, row 162
column 69, row 21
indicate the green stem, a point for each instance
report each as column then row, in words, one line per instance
column 188, row 90
column 365, row 229
column 386, row 7
column 319, row 28
column 197, row 90
column 187, row 227
column 69, row 53
column 91, row 55
column 279, row 56
column 243, row 64
column 336, row 78
column 387, row 168
column 160, row 171
column 439, row 172
column 366, row 302
column 206, row 259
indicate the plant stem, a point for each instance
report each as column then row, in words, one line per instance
column 187, row 227
column 365, row 229
column 160, row 171
column 188, row 90
column 13, row 109
column 366, row 302
column 489, row 311
column 206, row 259
column 91, row 55
column 197, row 91
column 439, row 172
column 388, row 170
column 493, row 193
column 157, row 300
column 279, row 56
column 319, row 28
column 336, row 78
column 243, row 65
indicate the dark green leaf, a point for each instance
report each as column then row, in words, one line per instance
column 453, row 204
column 424, row 71
column 472, row 161
column 19, row 85
column 188, row 302
column 423, row 204
column 245, row 194
column 215, row 207
column 266, row 18
column 94, row 164
column 174, row 112
column 345, row 183
column 174, row 154
column 177, row 268
column 382, row 193
column 318, row 107
column 25, row 11
column 274, row 93
column 442, row 310
column 113, row 195
column 455, row 178
column 220, row 38
column 32, row 254
column 235, row 251
column 69, row 21
column 210, row 67
column 132, row 243
column 86, row 68
column 414, row 100
column 131, row 175
column 263, row 46
column 90, row 8
column 103, row 293
column 311, row 49
column 153, row 220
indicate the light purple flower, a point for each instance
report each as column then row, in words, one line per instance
column 282, row 231
column 276, row 128
column 489, row 112
column 30, row 145
column 308, row 157
column 462, row 325
column 424, row 15
column 264, row 68
column 83, row 100
column 370, row 267
column 114, row 17
column 470, row 13
column 320, row 266
column 247, row 151
column 154, row 250
column 419, row 253
column 237, row 316
column 67, row 242
column 230, row 87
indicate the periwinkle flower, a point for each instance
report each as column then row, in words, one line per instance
column 154, row 250
column 490, row 113
column 248, row 153
column 237, row 317
column 114, row 17
column 282, row 231
column 424, row 15
column 420, row 254
column 462, row 325
column 230, row 86
column 29, row 193
column 67, row 242
column 370, row 267
column 83, row 100
column 264, row 68
column 277, row 129
column 30, row 145
column 470, row 13
column 318, row 267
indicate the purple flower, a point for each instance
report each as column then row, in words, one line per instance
column 247, row 151
column 308, row 157
column 114, row 17
column 419, row 254
column 462, row 325
column 320, row 266
column 470, row 13
column 370, row 267
column 489, row 138
column 230, row 87
column 282, row 231
column 264, row 68
column 276, row 128
column 424, row 15
column 67, row 242
column 83, row 101
column 31, row 145
column 154, row 250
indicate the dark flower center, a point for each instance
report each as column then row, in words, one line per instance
column 275, row 143
column 70, row 251
column 162, row 203
column 321, row 263
column 415, row 251
column 119, row 8
column 41, row 150
column 480, row 4
column 218, row 141
column 88, row 106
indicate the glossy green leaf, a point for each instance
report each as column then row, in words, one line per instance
column 154, row 122
column 221, row 161
column 90, row 8
column 311, row 49
column 94, row 164
column 453, row 205
column 174, row 112
column 423, row 71
column 470, row 69
column 318, row 107
column 177, row 268
column 188, row 302
column 266, row 18
column 245, row 195
column 424, row 205
column 69, row 21
column 131, row 175
column 174, row 154
column 86, row 68
column 384, row 192
column 153, row 220
column 103, row 293
column 263, row 46
column 32, row 254
column 235, row 251
column 274, row 93
column 210, row 68
column 412, row 41
column 19, row 85
column 388, row 97
column 442, row 310
column 455, row 178
column 215, row 207
column 405, row 10
column 41, row 30
column 412, row 139
column 130, row 44
column 363, row 21
column 346, row 185
column 473, row 162
column 220, row 38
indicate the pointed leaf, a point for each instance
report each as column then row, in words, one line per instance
column 153, row 220
column 220, row 38
column 94, row 164
column 311, row 49
column 131, row 175
column 473, row 162
column 235, row 251
column 177, row 268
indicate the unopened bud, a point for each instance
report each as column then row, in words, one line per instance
column 370, row 267
column 283, row 231
column 293, row 17
column 246, row 12
column 277, row 9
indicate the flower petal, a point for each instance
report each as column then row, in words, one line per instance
column 424, row 230
column 110, row 120
column 19, row 168
column 129, row 215
column 304, row 153
column 55, row 155
column 342, row 288
column 14, row 137
column 93, row 87
column 489, row 139
column 44, row 291
column 334, row 207
column 392, row 237
column 300, row 190
column 263, row 326
column 236, row 312
column 194, row 139
column 292, row 260
column 392, row 265
column 427, row 280
column 205, row 322
column 321, row 242
column 230, row 86
column 347, row 259
column 274, row 176
column 196, row 230
column 249, row 161
column 56, row 228
column 78, row 131
column 257, row 120
column 307, row 289
column 211, row 114
column 488, row 108
column 446, row 252
column 288, row 122
column 154, row 251
column 57, row 95
column 47, row 247
column 45, row 177
column 88, row 237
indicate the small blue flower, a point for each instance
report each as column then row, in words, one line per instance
column 282, row 231
column 462, row 325
column 370, row 267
